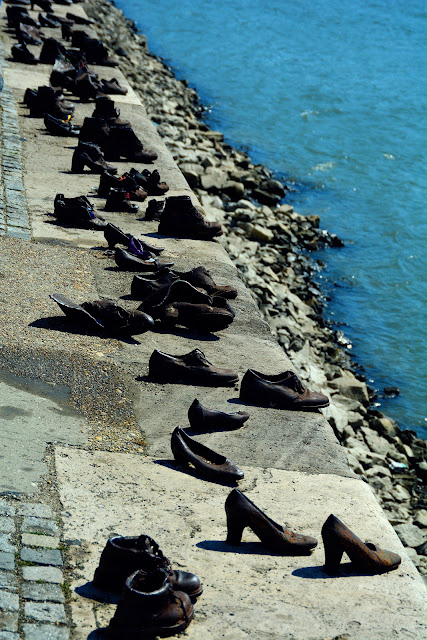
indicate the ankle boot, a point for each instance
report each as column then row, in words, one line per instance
column 27, row 34
column 94, row 130
column 365, row 557
column 47, row 101
column 21, row 53
column 90, row 155
column 46, row 21
column 149, row 608
column 242, row 512
column 154, row 210
column 119, row 200
column 122, row 555
column 86, row 86
column 181, row 219
column 77, row 212
column 51, row 50
column 124, row 143
column 106, row 109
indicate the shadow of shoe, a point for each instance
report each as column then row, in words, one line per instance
column 89, row 591
column 189, row 471
column 345, row 570
column 59, row 323
column 245, row 548
column 185, row 333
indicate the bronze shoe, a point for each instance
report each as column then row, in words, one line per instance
column 366, row 557
column 242, row 512
column 208, row 463
column 282, row 391
column 191, row 368
column 205, row 420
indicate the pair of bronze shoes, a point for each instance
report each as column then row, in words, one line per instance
column 337, row 538
column 207, row 463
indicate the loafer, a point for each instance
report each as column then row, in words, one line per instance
column 208, row 463
column 204, row 318
column 190, row 368
column 282, row 391
column 205, row 420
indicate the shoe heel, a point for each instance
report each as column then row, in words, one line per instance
column 234, row 530
column 333, row 554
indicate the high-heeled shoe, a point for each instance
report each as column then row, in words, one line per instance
column 242, row 512
column 205, row 420
column 208, row 463
column 337, row 539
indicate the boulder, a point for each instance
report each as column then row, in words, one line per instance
column 262, row 234
column 410, row 535
column 348, row 385
column 234, row 190
column 420, row 518
column 213, row 179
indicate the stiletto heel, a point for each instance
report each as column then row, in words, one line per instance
column 241, row 513
column 234, row 530
column 337, row 539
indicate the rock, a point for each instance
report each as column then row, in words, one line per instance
column 354, row 464
column 213, row 178
column 235, row 190
column 400, row 494
column 285, row 209
column 396, row 513
column 262, row 234
column 246, row 204
column 410, row 535
column 264, row 197
column 413, row 555
column 377, row 470
column 422, row 565
column 384, row 426
column 348, row 385
column 391, row 392
column 275, row 186
column 375, row 442
column 355, row 419
column 420, row 518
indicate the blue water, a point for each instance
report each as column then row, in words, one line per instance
column 332, row 95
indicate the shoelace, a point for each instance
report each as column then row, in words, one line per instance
column 295, row 383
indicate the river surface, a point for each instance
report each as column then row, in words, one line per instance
column 332, row 96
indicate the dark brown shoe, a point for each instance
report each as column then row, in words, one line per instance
column 181, row 219
column 204, row 420
column 149, row 608
column 242, row 512
column 122, row 555
column 365, row 557
column 160, row 294
column 282, row 391
column 204, row 318
column 200, row 277
column 208, row 463
column 191, row 368
column 128, row 262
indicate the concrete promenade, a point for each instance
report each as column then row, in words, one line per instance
column 85, row 447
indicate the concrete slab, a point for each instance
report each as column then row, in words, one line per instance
column 31, row 412
column 248, row 593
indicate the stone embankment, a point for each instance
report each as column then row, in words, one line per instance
column 268, row 242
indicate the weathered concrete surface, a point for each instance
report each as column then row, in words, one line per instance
column 248, row 593
column 33, row 413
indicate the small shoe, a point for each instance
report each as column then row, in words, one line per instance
column 77, row 212
column 191, row 368
column 200, row 277
column 161, row 294
column 119, row 200
column 365, row 557
column 47, row 21
column 90, row 155
column 282, row 391
column 119, row 321
column 114, row 235
column 204, row 318
column 58, row 127
column 123, row 142
column 75, row 312
column 108, row 182
column 128, row 262
column 154, row 210
column 181, row 219
column 149, row 608
column 51, row 50
column 113, row 87
column 94, row 130
column 208, row 463
column 242, row 512
column 21, row 53
column 205, row 420
column 106, row 109
column 150, row 181
column 122, row 555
